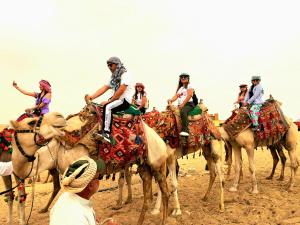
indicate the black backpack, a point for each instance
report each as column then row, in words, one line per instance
column 195, row 99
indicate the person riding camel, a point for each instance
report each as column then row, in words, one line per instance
column 121, row 84
column 140, row 97
column 242, row 94
column 42, row 102
column 254, row 99
column 184, row 94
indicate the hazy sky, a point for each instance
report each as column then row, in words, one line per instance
column 219, row 43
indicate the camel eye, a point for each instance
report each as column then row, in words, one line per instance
column 31, row 123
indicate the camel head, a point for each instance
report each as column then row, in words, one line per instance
column 51, row 125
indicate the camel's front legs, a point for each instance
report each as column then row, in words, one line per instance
column 282, row 160
column 21, row 201
column 212, row 174
column 128, row 182
column 9, row 198
column 121, row 183
column 237, row 162
column 250, row 153
column 145, row 173
column 160, row 177
column 56, row 188
column 294, row 167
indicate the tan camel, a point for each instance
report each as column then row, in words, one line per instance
column 31, row 129
column 276, row 151
column 61, row 156
column 246, row 140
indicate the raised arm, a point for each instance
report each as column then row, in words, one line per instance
column 99, row 92
column 172, row 99
column 32, row 94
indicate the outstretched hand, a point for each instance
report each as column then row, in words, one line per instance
column 87, row 99
column 15, row 84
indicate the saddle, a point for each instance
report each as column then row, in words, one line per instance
column 272, row 124
column 6, row 136
column 128, row 143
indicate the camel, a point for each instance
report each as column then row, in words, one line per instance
column 210, row 153
column 61, row 156
column 32, row 130
column 246, row 140
column 276, row 151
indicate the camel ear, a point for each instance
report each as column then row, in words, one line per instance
column 14, row 124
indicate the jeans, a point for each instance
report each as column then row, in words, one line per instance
column 184, row 116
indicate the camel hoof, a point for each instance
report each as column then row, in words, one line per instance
column 269, row 178
column 233, row 189
column 176, row 212
column 280, row 178
column 155, row 212
column 222, row 207
column 129, row 200
column 43, row 211
column 254, row 191
column 117, row 207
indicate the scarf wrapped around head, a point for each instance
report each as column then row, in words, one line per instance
column 79, row 174
column 116, row 76
column 45, row 85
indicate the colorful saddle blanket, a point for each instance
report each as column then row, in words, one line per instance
column 5, row 140
column 202, row 130
column 129, row 143
column 272, row 124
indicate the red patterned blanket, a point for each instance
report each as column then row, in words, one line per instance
column 272, row 125
column 202, row 131
column 129, row 143
column 5, row 140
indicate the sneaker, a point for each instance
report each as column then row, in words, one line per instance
column 102, row 136
column 183, row 133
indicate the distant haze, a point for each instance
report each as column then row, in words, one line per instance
column 221, row 44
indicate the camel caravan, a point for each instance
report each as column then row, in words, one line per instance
column 119, row 134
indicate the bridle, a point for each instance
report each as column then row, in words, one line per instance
column 39, row 140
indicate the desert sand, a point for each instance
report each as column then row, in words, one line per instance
column 273, row 204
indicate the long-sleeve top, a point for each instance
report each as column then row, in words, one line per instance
column 258, row 92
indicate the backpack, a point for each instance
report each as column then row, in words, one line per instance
column 195, row 99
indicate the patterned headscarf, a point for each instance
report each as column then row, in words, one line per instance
column 116, row 76
column 45, row 85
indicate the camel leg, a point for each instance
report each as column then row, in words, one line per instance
column 129, row 187
column 21, row 202
column 275, row 161
column 228, row 159
column 156, row 209
column 121, row 183
column 9, row 198
column 250, row 153
column 160, row 177
column 237, row 162
column 282, row 160
column 290, row 144
column 146, row 176
column 56, row 187
column 212, row 170
column 47, row 177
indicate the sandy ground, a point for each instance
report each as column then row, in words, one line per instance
column 273, row 204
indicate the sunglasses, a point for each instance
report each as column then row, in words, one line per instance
column 184, row 77
column 139, row 86
column 109, row 64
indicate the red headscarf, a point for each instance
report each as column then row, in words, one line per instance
column 45, row 85
column 140, row 84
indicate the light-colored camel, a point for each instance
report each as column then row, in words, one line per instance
column 212, row 153
column 61, row 156
column 52, row 121
column 246, row 140
column 276, row 151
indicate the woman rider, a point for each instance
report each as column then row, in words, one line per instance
column 140, row 98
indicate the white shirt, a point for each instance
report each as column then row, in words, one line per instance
column 128, row 93
column 6, row 168
column 71, row 209
column 182, row 94
column 139, row 98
